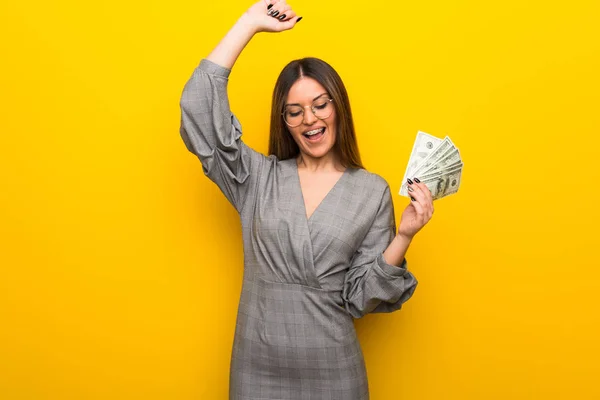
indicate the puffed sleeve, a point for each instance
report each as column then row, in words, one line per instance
column 211, row 132
column 370, row 284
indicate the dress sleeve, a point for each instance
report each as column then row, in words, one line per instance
column 371, row 285
column 211, row 132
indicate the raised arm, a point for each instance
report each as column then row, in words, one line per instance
column 208, row 127
column 263, row 16
column 230, row 47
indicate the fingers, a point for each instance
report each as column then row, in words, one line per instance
column 416, row 193
column 419, row 208
column 422, row 198
column 424, row 188
column 282, row 11
column 284, row 14
column 272, row 2
column 277, row 8
column 287, row 15
column 427, row 200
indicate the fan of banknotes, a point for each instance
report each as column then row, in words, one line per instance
column 436, row 163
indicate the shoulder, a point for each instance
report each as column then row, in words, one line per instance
column 375, row 196
column 370, row 181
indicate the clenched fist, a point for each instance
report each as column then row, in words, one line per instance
column 271, row 16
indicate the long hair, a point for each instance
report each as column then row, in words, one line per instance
column 281, row 142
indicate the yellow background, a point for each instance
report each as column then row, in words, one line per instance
column 121, row 264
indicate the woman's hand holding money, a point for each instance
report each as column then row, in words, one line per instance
column 418, row 212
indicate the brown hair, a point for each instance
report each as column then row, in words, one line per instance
column 281, row 142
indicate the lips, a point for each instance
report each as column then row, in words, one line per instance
column 314, row 135
column 316, row 138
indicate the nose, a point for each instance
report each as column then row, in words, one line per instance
column 309, row 117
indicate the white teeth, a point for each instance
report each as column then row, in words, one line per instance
column 314, row 132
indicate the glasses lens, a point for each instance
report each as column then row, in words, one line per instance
column 322, row 107
column 293, row 115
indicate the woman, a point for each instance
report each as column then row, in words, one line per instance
column 320, row 241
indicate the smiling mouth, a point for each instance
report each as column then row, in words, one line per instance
column 315, row 134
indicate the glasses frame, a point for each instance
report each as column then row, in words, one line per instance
column 312, row 108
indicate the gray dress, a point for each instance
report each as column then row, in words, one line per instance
column 305, row 279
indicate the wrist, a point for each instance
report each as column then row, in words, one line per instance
column 246, row 24
column 394, row 254
column 404, row 238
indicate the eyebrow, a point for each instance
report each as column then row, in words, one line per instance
column 298, row 104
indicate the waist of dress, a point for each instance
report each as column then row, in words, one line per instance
column 291, row 297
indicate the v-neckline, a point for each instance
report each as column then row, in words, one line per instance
column 306, row 217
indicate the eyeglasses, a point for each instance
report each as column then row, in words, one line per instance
column 322, row 108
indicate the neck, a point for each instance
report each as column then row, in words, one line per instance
column 327, row 163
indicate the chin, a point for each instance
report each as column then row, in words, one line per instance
column 318, row 153
column 315, row 151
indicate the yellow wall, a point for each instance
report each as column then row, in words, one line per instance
column 121, row 263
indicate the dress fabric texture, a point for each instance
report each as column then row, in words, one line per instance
column 305, row 279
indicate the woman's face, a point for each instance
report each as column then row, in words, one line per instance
column 304, row 92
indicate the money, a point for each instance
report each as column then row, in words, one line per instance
column 424, row 145
column 436, row 163
column 448, row 160
column 444, row 185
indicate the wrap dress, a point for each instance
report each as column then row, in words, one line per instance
column 305, row 279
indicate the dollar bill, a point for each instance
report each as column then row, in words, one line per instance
column 433, row 157
column 437, row 174
column 423, row 146
column 444, row 185
column 447, row 161
column 439, row 167
column 425, row 163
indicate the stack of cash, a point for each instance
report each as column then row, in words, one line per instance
column 436, row 163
